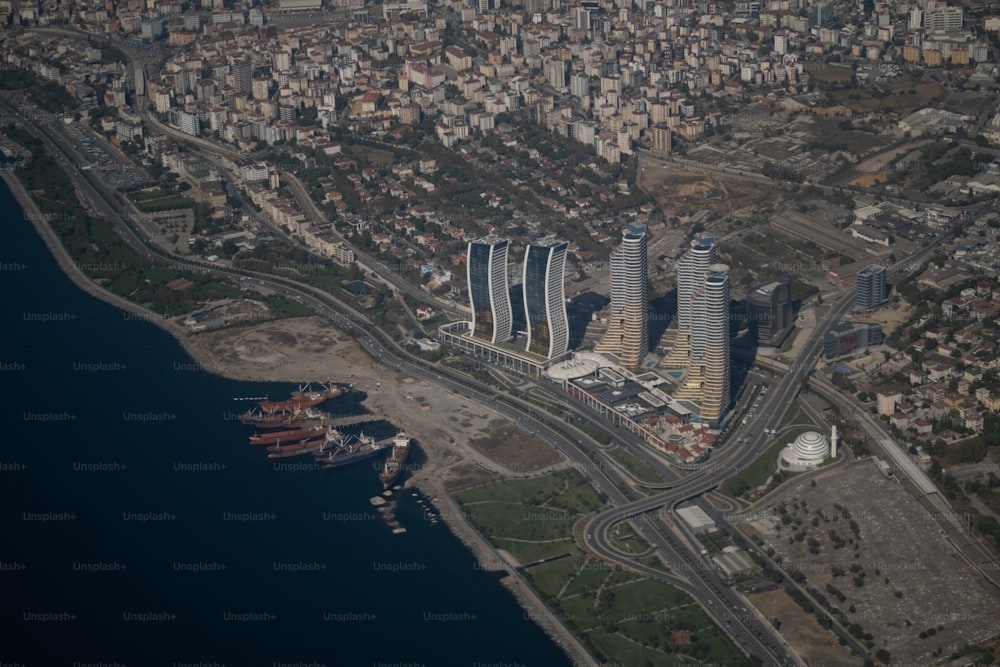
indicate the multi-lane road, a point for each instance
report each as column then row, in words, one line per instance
column 677, row 546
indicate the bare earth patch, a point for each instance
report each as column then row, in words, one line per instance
column 811, row 641
column 516, row 450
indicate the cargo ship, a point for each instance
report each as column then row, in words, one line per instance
column 397, row 457
column 303, row 398
column 279, row 420
column 352, row 450
column 287, row 437
column 308, row 446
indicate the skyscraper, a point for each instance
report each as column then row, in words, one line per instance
column 769, row 311
column 545, row 298
column 871, row 287
column 701, row 350
column 627, row 335
column 691, row 268
column 489, row 293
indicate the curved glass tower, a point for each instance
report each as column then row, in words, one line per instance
column 489, row 296
column 545, row 298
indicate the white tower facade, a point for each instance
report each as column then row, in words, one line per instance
column 627, row 335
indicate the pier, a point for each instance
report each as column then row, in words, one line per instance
column 350, row 420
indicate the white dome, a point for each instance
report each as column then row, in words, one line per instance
column 811, row 446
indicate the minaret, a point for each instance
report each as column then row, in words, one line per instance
column 833, row 441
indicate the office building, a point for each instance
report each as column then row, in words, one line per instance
column 545, row 298
column 769, row 312
column 627, row 335
column 489, row 292
column 871, row 288
column 850, row 337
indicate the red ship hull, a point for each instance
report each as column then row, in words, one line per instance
column 300, row 399
column 287, row 437
column 298, row 449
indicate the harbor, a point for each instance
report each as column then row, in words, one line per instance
column 297, row 427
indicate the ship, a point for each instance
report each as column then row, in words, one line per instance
column 351, row 450
column 303, row 398
column 287, row 437
column 279, row 420
column 397, row 457
column 300, row 448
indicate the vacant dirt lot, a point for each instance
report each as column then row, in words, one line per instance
column 685, row 193
column 514, row 449
column 813, row 643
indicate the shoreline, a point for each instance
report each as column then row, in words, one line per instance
column 534, row 609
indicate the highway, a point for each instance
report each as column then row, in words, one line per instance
column 746, row 443
column 671, row 541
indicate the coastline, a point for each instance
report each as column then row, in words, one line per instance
column 434, row 429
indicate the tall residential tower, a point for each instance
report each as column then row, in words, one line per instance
column 627, row 336
column 545, row 298
column 489, row 292
column 701, row 350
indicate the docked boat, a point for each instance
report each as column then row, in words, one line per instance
column 351, row 450
column 280, row 420
column 303, row 398
column 287, row 437
column 296, row 449
column 397, row 457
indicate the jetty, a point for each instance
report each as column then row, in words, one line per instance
column 350, row 420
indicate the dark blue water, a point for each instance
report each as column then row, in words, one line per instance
column 139, row 527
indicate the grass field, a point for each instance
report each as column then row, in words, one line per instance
column 756, row 474
column 624, row 537
column 624, row 618
column 630, row 462
column 900, row 101
column 795, row 415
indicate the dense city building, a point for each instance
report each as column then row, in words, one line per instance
column 627, row 335
column 871, row 287
column 850, row 337
column 769, row 312
column 545, row 298
column 489, row 293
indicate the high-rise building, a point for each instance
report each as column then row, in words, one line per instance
column 555, row 73
column 242, row 76
column 706, row 373
column 700, row 352
column 545, row 298
column 627, row 336
column 871, row 287
column 769, row 311
column 691, row 268
column 489, row 292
